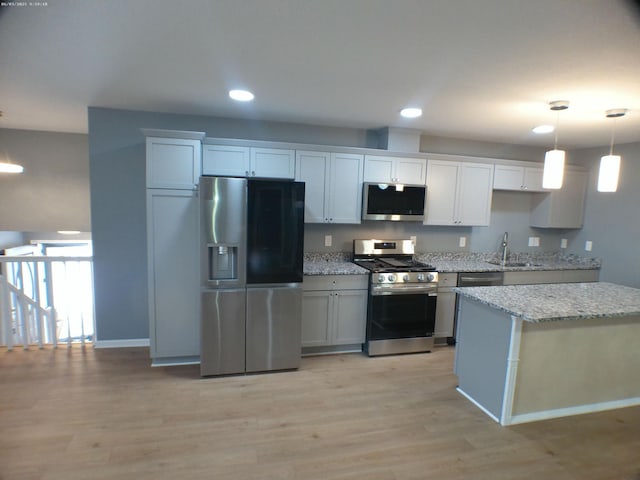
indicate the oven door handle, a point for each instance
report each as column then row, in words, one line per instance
column 403, row 290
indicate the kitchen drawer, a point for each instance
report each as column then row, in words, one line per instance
column 335, row 282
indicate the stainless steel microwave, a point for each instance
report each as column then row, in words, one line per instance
column 389, row 201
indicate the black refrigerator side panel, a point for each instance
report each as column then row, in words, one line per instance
column 275, row 231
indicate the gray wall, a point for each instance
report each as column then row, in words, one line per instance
column 10, row 239
column 117, row 159
column 509, row 213
column 53, row 192
column 612, row 220
column 117, row 175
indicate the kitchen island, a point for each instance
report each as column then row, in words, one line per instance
column 533, row 352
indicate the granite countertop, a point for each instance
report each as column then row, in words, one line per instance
column 331, row 264
column 339, row 263
column 479, row 262
column 563, row 301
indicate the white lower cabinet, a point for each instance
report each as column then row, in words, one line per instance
column 174, row 275
column 334, row 310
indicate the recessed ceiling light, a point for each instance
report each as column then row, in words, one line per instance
column 411, row 112
column 241, row 95
column 543, row 129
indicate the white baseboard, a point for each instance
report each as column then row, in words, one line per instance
column 127, row 343
column 577, row 410
column 472, row 400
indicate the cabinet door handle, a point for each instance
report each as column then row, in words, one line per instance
column 253, row 173
column 246, row 173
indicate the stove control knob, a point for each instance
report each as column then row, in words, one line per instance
column 391, row 278
column 430, row 277
column 380, row 278
column 405, row 278
column 421, row 277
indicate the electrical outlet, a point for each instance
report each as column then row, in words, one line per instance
column 463, row 241
column 413, row 239
column 563, row 243
column 328, row 240
column 588, row 245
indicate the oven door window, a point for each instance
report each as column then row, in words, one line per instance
column 401, row 316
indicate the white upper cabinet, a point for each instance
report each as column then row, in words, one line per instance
column 344, row 202
column 237, row 161
column 273, row 163
column 458, row 193
column 520, row 178
column 387, row 169
column 225, row 161
column 173, row 163
column 333, row 186
column 312, row 168
column 563, row 208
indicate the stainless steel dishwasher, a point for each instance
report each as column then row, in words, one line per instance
column 479, row 279
column 474, row 279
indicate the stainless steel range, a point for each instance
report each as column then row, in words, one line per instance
column 402, row 297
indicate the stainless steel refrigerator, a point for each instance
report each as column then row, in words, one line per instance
column 252, row 244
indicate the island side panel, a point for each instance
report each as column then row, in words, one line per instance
column 577, row 366
column 482, row 347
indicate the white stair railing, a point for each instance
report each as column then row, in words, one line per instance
column 41, row 300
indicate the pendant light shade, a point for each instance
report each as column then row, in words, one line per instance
column 609, row 173
column 554, row 159
column 553, row 169
column 10, row 168
column 610, row 164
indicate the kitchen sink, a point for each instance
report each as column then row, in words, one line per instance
column 515, row 264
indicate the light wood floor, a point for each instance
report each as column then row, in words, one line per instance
column 105, row 414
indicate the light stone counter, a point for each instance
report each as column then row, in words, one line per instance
column 445, row 262
column 331, row 264
column 563, row 301
column 339, row 263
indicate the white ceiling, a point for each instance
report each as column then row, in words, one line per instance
column 480, row 69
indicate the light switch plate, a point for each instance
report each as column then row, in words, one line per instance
column 328, row 240
column 463, row 241
column 413, row 239
column 563, row 243
column 534, row 241
column 588, row 245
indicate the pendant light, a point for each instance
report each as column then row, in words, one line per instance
column 6, row 167
column 554, row 159
column 610, row 164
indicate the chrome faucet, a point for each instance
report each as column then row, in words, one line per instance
column 505, row 239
